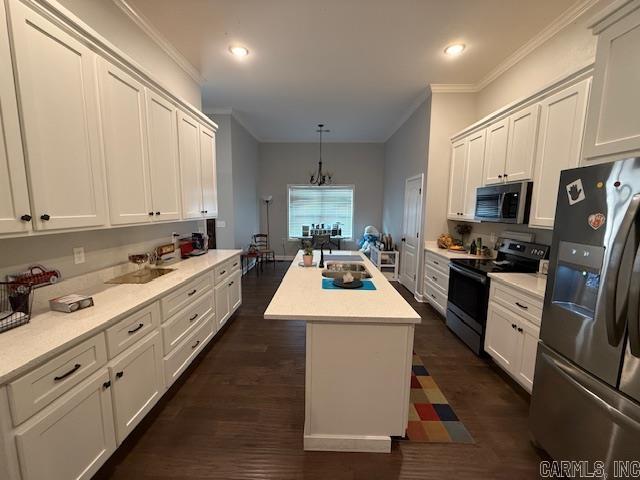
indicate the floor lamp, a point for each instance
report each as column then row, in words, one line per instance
column 268, row 199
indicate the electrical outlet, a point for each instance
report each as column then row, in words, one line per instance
column 221, row 223
column 78, row 255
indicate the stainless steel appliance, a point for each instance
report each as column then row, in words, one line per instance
column 507, row 203
column 585, row 403
column 469, row 287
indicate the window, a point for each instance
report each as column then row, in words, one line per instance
column 314, row 205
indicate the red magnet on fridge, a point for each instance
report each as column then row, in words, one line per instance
column 596, row 220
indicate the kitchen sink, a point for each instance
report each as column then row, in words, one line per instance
column 337, row 270
column 142, row 276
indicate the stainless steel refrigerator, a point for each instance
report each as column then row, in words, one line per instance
column 585, row 402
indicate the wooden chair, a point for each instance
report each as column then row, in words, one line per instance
column 261, row 241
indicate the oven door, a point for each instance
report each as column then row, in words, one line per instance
column 468, row 296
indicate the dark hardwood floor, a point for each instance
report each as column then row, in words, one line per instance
column 238, row 412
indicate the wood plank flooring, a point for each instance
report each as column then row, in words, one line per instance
column 238, row 412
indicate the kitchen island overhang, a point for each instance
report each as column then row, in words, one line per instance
column 359, row 347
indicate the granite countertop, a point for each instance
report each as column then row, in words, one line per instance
column 301, row 297
column 533, row 284
column 432, row 246
column 51, row 332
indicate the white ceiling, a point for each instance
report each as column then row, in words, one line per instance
column 356, row 65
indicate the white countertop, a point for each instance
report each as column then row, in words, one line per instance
column 301, row 297
column 532, row 283
column 432, row 246
column 52, row 332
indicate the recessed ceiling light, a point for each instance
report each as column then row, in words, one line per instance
column 239, row 51
column 454, row 49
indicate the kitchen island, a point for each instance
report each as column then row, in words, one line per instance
column 359, row 346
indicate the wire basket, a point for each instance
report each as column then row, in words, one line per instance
column 15, row 304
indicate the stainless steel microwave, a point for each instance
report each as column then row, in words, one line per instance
column 506, row 203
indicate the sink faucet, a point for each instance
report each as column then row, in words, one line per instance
column 321, row 264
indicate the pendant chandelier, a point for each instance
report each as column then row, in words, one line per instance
column 321, row 178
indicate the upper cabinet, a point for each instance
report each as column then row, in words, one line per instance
column 562, row 120
column 457, row 179
column 511, row 147
column 15, row 211
column 613, row 123
column 208, row 169
column 58, row 96
column 467, row 164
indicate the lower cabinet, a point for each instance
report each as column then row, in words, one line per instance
column 178, row 360
column 137, row 383
column 72, row 437
column 228, row 297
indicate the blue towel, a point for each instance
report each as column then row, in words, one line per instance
column 327, row 284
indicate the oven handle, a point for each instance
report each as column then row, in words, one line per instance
column 474, row 276
column 501, row 206
column 634, row 308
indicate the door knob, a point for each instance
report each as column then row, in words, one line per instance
column 45, row 217
column 26, row 217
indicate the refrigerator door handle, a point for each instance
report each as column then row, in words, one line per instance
column 634, row 308
column 615, row 328
column 619, row 417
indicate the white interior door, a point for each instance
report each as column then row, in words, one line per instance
column 412, row 221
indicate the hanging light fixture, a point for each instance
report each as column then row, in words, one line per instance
column 320, row 178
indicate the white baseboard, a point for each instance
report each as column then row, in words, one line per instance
column 419, row 297
column 347, row 443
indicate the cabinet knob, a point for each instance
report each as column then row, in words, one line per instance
column 26, row 217
column 157, row 213
column 513, row 325
column 506, row 175
column 520, row 329
column 119, row 374
column 150, row 214
column 206, row 211
column 106, row 384
column 45, row 217
column 499, row 176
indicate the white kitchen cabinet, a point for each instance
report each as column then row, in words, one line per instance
column 71, row 438
column 523, row 126
column 228, row 291
column 496, row 152
column 613, row 123
column 137, row 383
column 502, row 340
column 223, row 309
column 57, row 86
column 474, row 170
column 125, row 145
column 457, row 179
column 164, row 168
column 208, row 169
column 15, row 210
column 562, row 117
column 190, row 166
column 235, row 290
column 529, row 334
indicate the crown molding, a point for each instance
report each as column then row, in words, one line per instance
column 568, row 16
column 152, row 32
column 453, row 88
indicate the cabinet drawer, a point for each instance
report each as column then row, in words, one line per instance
column 35, row 390
column 436, row 261
column 128, row 331
column 435, row 296
column 234, row 264
column 436, row 276
column 222, row 271
column 526, row 306
column 178, row 327
column 178, row 360
column 183, row 296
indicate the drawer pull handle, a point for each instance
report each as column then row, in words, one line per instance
column 231, row 284
column 106, row 384
column 195, row 315
column 434, row 278
column 524, row 307
column 520, row 329
column 223, row 272
column 195, row 344
column 433, row 296
column 192, row 292
column 131, row 332
column 119, row 374
column 235, row 264
column 75, row 368
column 513, row 325
column 436, row 262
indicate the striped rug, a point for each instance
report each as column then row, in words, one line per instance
column 431, row 418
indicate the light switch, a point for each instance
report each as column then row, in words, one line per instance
column 78, row 255
column 221, row 223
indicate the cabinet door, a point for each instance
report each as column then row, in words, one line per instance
column 124, row 133
column 523, row 126
column 613, row 125
column 190, row 166
column 222, row 304
column 208, row 162
column 457, row 179
column 502, row 340
column 137, row 382
column 474, row 174
column 57, row 86
column 496, row 153
column 14, row 197
column 73, row 437
column 235, row 291
column 527, row 364
column 559, row 141
column 163, row 157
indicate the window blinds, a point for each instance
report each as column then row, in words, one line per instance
column 316, row 205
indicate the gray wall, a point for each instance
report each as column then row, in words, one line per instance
column 244, row 151
column 225, row 235
column 405, row 155
column 359, row 164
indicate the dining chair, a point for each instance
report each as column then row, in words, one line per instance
column 261, row 241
